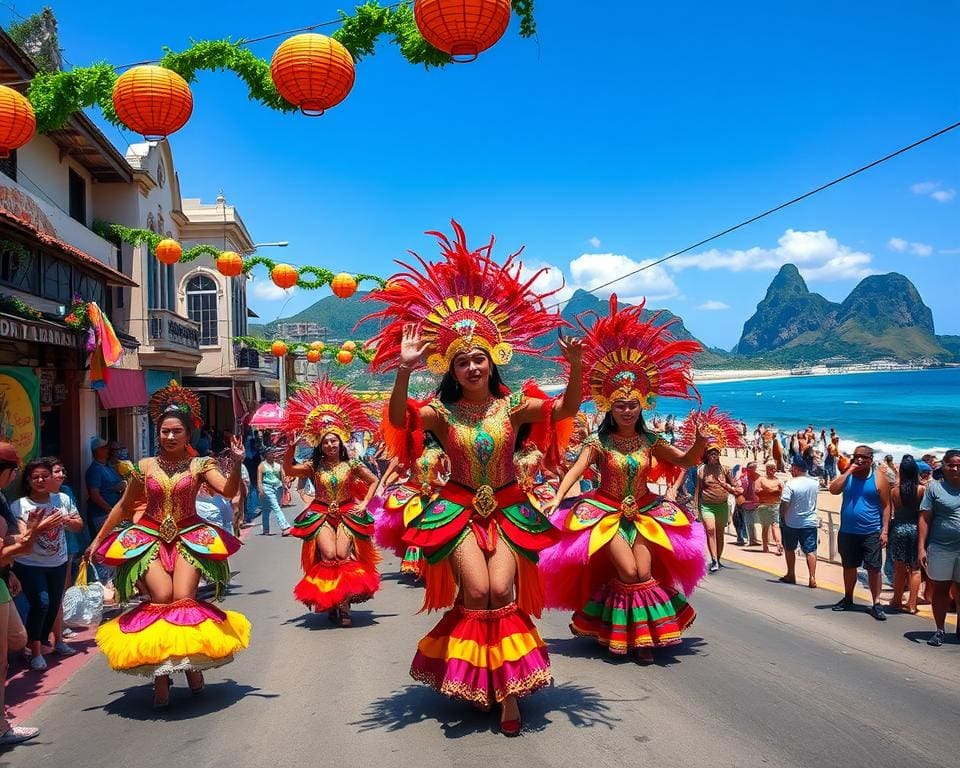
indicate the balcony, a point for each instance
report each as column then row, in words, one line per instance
column 250, row 364
column 175, row 340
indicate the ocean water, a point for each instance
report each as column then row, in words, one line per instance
column 895, row 412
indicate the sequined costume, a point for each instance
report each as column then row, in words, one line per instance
column 402, row 502
column 327, row 584
column 627, row 359
column 158, row 639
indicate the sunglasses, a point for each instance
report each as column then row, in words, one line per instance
column 39, row 478
column 861, row 457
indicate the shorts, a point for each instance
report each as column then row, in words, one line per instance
column 858, row 549
column 769, row 514
column 718, row 512
column 943, row 563
column 805, row 538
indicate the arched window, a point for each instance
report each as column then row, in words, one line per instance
column 202, row 307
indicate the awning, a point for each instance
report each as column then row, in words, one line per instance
column 125, row 388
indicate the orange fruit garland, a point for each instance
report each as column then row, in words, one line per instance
column 169, row 251
column 229, row 263
column 278, row 349
column 344, row 285
column 152, row 101
column 462, row 28
column 17, row 120
column 313, row 72
column 284, row 276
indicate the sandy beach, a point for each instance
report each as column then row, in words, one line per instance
column 720, row 376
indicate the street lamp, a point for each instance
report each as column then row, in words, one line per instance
column 279, row 244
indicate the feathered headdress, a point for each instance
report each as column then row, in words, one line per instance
column 628, row 358
column 722, row 431
column 174, row 399
column 323, row 408
column 463, row 302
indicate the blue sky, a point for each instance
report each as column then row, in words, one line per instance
column 623, row 133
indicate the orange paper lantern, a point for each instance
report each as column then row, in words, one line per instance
column 344, row 285
column 152, row 101
column 168, row 251
column 462, row 28
column 318, row 345
column 344, row 357
column 17, row 121
column 312, row 72
column 313, row 356
column 278, row 349
column 284, row 276
column 350, row 346
column 229, row 263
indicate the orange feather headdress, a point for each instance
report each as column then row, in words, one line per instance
column 323, row 408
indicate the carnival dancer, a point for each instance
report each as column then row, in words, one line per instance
column 405, row 492
column 164, row 553
column 339, row 558
column 628, row 557
column 482, row 535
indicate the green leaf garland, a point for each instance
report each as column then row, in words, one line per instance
column 55, row 96
column 263, row 346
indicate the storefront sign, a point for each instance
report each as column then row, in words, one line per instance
column 19, row 409
column 36, row 333
column 20, row 205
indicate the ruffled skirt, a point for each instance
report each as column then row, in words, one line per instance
column 327, row 585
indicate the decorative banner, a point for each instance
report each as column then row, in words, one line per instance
column 344, row 354
column 20, row 410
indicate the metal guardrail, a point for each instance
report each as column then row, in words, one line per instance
column 169, row 327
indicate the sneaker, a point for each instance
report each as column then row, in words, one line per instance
column 877, row 612
column 38, row 662
column 67, row 632
column 842, row 605
column 63, row 649
column 714, row 566
column 18, row 734
column 937, row 640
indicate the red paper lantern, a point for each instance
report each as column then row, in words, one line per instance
column 344, row 285
column 169, row 251
column 462, row 28
column 17, row 121
column 313, row 356
column 152, row 101
column 278, row 349
column 229, row 263
column 350, row 346
column 284, row 276
column 312, row 72
column 344, row 357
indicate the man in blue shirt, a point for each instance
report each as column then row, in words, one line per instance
column 104, row 485
column 864, row 522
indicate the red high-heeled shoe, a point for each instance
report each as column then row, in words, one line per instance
column 511, row 727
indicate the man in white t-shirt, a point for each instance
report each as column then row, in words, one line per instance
column 799, row 523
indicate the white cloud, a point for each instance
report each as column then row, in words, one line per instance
column 550, row 280
column 900, row 245
column 591, row 270
column 818, row 256
column 713, row 305
column 266, row 290
column 934, row 190
column 594, row 242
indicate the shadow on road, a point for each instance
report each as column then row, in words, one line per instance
column 136, row 703
column 588, row 648
column 582, row 705
column 319, row 621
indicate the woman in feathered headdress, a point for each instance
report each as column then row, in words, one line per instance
column 628, row 557
column 482, row 535
column 165, row 552
column 338, row 557
column 714, row 483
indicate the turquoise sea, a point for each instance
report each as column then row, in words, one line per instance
column 896, row 412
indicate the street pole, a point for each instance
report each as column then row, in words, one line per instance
column 282, row 364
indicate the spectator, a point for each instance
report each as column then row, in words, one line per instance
column 270, row 486
column 749, row 504
column 799, row 523
column 42, row 570
column 890, row 469
column 712, row 494
column 830, row 461
column 905, row 497
column 769, row 491
column 76, row 543
column 104, row 485
column 864, row 522
column 202, row 442
column 252, row 446
column 939, row 539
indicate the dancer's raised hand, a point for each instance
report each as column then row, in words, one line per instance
column 572, row 348
column 412, row 346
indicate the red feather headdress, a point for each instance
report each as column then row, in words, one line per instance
column 628, row 358
column 463, row 302
column 323, row 408
column 174, row 399
column 722, row 430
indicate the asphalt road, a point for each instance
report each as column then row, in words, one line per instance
column 767, row 676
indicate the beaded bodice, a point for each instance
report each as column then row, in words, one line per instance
column 623, row 464
column 427, row 468
column 332, row 485
column 173, row 496
column 480, row 440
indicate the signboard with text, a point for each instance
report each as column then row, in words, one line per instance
column 20, row 410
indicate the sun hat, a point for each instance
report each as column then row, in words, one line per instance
column 97, row 442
